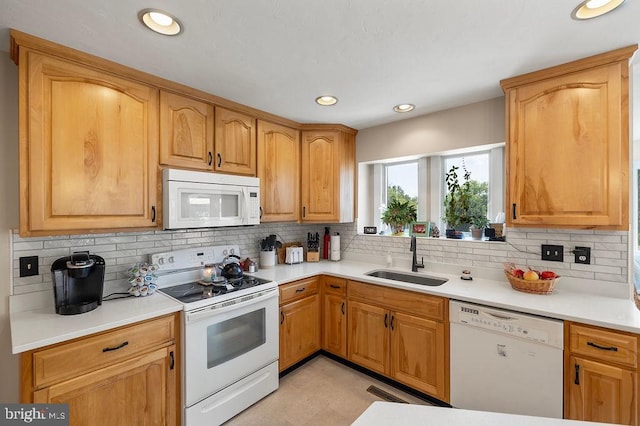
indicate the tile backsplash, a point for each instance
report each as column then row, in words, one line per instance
column 609, row 249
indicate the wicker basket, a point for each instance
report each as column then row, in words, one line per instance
column 534, row 287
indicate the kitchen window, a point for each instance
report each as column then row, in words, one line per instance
column 379, row 180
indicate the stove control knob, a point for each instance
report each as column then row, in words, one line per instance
column 161, row 261
column 171, row 259
column 225, row 252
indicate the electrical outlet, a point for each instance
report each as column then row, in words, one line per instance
column 28, row 266
column 583, row 255
column 552, row 253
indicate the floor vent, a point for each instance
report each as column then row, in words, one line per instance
column 384, row 395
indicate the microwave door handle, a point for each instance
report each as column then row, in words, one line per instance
column 244, row 204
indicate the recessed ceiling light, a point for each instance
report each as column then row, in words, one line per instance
column 326, row 100
column 593, row 8
column 403, row 108
column 160, row 21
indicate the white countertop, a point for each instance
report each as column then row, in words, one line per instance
column 392, row 413
column 31, row 329
column 36, row 328
column 564, row 303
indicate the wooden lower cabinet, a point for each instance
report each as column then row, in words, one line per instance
column 334, row 316
column 400, row 334
column 126, row 376
column 601, row 375
column 140, row 391
column 601, row 392
column 418, row 349
column 369, row 336
column 299, row 321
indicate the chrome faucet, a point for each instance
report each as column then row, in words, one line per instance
column 414, row 263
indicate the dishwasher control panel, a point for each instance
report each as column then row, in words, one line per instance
column 516, row 324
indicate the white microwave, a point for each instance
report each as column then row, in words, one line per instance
column 206, row 200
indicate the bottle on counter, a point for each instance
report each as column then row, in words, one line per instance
column 325, row 247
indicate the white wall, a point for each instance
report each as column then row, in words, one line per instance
column 481, row 123
column 8, row 218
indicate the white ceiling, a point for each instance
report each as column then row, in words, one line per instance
column 279, row 55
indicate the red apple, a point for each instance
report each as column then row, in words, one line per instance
column 548, row 275
column 518, row 273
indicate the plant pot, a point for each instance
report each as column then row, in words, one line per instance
column 452, row 233
column 476, row 233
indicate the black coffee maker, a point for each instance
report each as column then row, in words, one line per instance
column 78, row 281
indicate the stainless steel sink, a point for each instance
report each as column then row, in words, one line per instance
column 407, row 278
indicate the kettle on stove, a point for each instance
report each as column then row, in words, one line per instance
column 78, row 282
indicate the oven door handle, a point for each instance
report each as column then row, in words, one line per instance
column 209, row 311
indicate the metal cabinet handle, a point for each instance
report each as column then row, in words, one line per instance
column 173, row 361
column 153, row 213
column 342, row 308
column 115, row 348
column 260, row 212
column 392, row 318
column 219, row 159
column 210, row 158
column 513, row 211
column 385, row 320
column 604, row 348
column 334, row 286
column 304, row 211
column 281, row 317
column 577, row 379
column 300, row 290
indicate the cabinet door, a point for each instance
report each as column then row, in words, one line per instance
column 568, row 150
column 89, row 153
column 299, row 330
column 601, row 393
column 418, row 354
column 279, row 172
column 334, row 337
column 320, row 176
column 369, row 336
column 135, row 392
column 235, row 142
column 186, row 132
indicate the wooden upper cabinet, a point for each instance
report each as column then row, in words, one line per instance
column 88, row 148
column 568, row 144
column 186, row 132
column 279, row 172
column 328, row 176
column 235, row 142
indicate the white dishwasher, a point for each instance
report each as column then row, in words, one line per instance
column 505, row 361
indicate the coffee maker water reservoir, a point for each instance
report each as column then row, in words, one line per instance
column 78, row 281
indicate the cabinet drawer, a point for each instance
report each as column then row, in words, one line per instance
column 410, row 302
column 602, row 344
column 80, row 356
column 298, row 290
column 337, row 286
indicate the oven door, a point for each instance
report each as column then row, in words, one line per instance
column 197, row 205
column 226, row 342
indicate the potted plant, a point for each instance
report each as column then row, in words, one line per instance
column 456, row 203
column 399, row 214
column 478, row 223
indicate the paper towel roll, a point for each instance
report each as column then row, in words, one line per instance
column 335, row 247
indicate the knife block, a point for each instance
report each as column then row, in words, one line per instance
column 313, row 256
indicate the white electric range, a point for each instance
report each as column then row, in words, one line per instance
column 229, row 334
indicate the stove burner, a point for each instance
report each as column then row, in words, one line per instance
column 192, row 292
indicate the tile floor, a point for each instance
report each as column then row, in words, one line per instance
column 321, row 392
